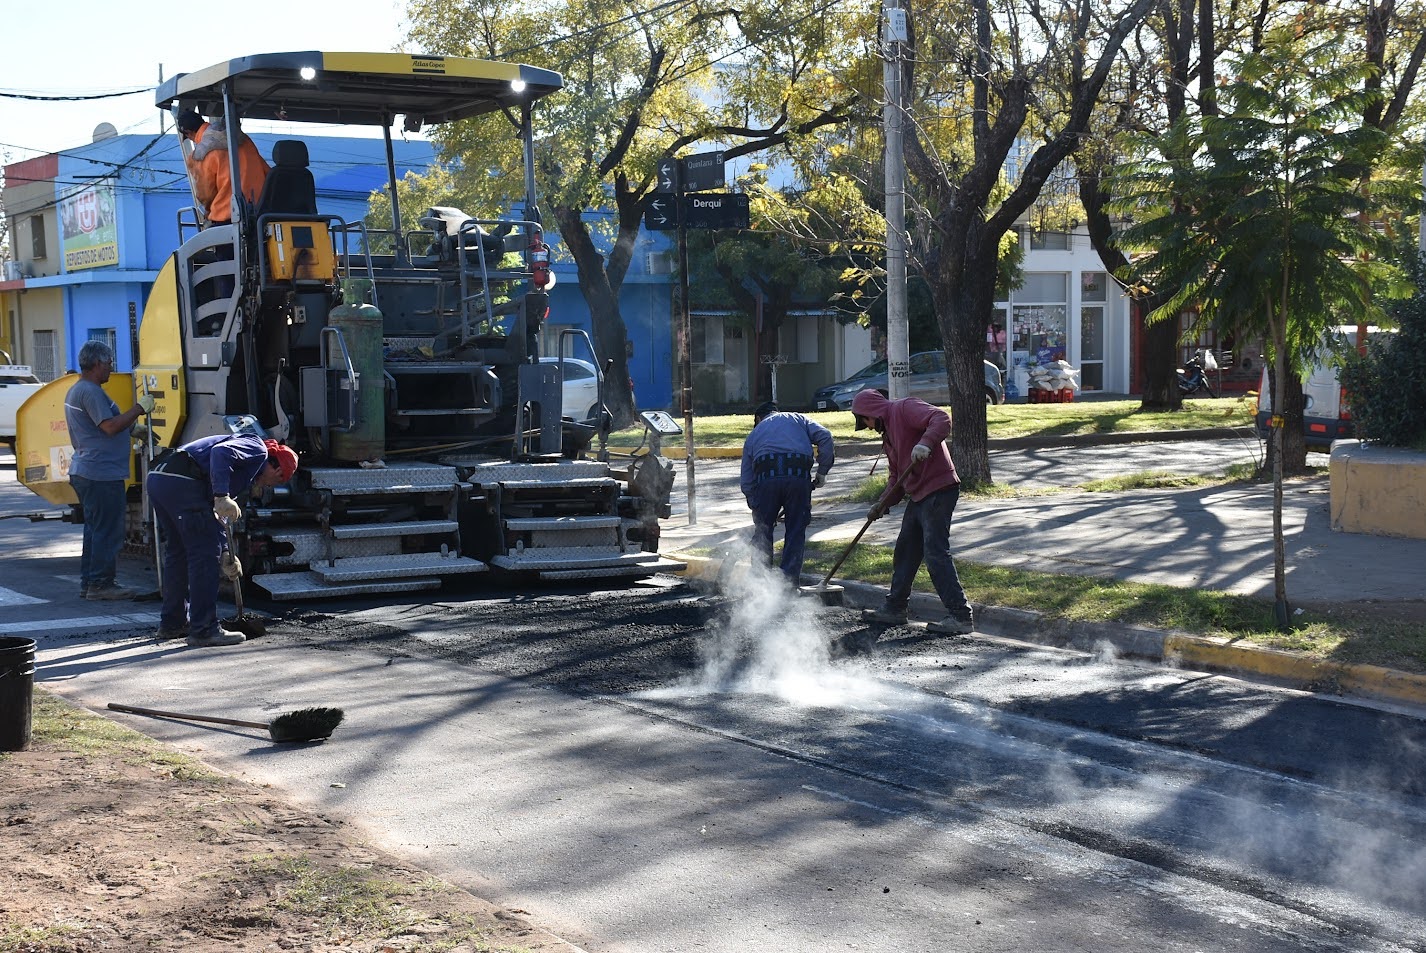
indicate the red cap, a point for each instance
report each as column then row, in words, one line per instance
column 285, row 456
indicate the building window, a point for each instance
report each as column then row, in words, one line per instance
column 1093, row 286
column 38, row 247
column 705, row 345
column 44, row 355
column 107, row 336
column 1039, row 319
column 1047, row 240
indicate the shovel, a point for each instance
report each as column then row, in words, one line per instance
column 250, row 626
column 833, row 595
column 307, row 724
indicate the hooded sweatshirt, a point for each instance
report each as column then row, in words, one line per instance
column 905, row 423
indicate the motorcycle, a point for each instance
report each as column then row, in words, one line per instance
column 1193, row 376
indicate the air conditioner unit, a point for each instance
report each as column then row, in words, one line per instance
column 660, row 263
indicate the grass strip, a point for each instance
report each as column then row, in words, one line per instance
column 1005, row 420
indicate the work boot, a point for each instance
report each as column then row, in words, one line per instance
column 111, row 592
column 884, row 616
column 953, row 625
column 168, row 635
column 215, row 638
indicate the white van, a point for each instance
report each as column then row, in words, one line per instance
column 17, row 383
column 1324, row 410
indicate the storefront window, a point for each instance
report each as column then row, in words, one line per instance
column 1040, row 332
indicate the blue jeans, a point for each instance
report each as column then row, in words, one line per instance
column 103, row 502
column 926, row 537
column 791, row 497
column 193, row 539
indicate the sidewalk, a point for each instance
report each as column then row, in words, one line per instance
column 1216, row 538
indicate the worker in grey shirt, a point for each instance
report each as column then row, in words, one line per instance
column 101, row 438
column 779, row 473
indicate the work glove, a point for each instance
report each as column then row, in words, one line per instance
column 920, row 452
column 819, row 480
column 230, row 566
column 877, row 511
column 145, row 403
column 226, row 508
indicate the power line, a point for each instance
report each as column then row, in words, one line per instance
column 11, row 94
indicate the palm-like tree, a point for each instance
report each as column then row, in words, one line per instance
column 1257, row 216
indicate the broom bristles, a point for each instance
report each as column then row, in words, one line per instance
column 307, row 724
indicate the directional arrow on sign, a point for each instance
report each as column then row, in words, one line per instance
column 667, row 176
column 659, row 215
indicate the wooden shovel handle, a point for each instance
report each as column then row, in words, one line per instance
column 857, row 538
column 212, row 719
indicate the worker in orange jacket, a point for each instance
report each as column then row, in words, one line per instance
column 208, row 166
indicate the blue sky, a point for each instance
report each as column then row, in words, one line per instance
column 80, row 47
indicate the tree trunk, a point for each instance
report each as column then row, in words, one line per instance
column 1160, row 362
column 602, row 295
column 966, row 306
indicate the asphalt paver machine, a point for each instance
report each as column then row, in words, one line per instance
column 402, row 364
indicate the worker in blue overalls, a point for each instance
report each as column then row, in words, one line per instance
column 192, row 492
column 779, row 474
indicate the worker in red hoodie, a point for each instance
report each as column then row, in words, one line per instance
column 919, row 468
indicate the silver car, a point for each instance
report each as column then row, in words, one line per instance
column 928, row 382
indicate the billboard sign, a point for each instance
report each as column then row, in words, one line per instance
column 89, row 228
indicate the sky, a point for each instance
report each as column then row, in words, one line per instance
column 83, row 47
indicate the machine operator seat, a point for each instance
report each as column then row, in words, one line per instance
column 289, row 189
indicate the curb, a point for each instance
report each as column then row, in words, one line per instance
column 1199, row 653
column 862, row 448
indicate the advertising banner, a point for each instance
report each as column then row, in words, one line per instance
column 88, row 228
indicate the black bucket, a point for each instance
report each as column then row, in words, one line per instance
column 17, row 688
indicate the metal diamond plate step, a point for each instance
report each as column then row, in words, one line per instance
column 558, row 523
column 485, row 470
column 641, row 569
column 581, row 483
column 411, row 528
column 572, row 558
column 400, row 478
column 395, row 567
column 307, row 585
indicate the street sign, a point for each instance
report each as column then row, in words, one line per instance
column 660, row 213
column 666, row 176
column 702, row 172
column 720, row 210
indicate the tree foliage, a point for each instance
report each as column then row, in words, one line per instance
column 644, row 81
column 1259, row 215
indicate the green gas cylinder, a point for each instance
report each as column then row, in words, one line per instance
column 361, row 327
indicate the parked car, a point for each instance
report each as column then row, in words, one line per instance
column 581, row 388
column 17, row 383
column 928, row 382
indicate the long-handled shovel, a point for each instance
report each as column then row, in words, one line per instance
column 250, row 626
column 306, row 724
column 833, row 595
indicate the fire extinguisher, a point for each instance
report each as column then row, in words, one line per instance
column 539, row 260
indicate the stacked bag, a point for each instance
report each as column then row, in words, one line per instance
column 1053, row 383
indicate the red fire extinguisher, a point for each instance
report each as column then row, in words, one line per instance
column 539, row 260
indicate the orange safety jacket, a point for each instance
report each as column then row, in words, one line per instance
column 213, row 185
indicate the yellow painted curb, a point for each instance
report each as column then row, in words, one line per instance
column 1372, row 680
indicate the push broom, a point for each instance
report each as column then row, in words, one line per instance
column 306, row 724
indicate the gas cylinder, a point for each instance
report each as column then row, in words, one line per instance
column 361, row 327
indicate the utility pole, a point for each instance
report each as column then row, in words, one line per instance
column 898, row 344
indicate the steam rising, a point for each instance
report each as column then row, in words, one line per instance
column 771, row 641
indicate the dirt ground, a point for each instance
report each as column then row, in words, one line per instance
column 112, row 842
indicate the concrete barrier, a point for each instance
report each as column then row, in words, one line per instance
column 1378, row 490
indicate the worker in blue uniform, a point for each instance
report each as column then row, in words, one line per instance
column 779, row 473
column 192, row 492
